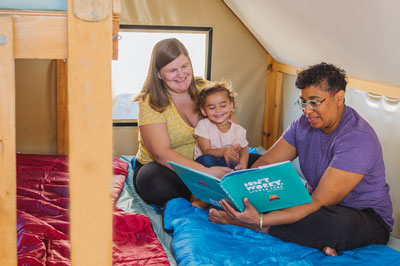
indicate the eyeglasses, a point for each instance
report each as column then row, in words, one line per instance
column 313, row 104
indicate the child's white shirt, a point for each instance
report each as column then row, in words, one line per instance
column 208, row 130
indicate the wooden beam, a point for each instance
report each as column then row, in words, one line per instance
column 117, row 7
column 91, row 10
column 8, row 203
column 90, row 138
column 41, row 35
column 116, row 18
column 62, row 107
column 374, row 87
column 270, row 98
column 288, row 69
column 278, row 106
column 388, row 90
column 115, row 36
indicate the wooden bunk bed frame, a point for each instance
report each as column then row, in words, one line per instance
column 80, row 39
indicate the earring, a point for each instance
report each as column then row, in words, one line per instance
column 159, row 76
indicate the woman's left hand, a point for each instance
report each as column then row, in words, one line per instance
column 249, row 216
column 218, row 171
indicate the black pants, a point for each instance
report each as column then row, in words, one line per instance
column 157, row 184
column 337, row 227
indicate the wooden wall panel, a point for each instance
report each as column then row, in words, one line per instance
column 39, row 34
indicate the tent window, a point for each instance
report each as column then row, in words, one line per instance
column 134, row 52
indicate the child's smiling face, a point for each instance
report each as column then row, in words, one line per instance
column 217, row 108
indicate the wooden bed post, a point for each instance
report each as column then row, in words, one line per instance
column 278, row 107
column 62, row 107
column 8, row 202
column 116, row 16
column 90, row 131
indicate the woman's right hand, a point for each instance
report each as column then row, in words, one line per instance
column 218, row 171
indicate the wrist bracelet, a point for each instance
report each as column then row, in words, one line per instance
column 261, row 223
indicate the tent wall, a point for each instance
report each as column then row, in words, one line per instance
column 36, row 119
column 236, row 54
column 359, row 35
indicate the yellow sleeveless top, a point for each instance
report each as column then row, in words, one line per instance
column 180, row 134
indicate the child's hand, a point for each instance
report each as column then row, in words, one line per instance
column 231, row 154
column 237, row 147
column 238, row 167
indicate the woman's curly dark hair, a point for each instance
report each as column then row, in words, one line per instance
column 320, row 73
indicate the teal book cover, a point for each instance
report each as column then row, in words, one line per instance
column 268, row 188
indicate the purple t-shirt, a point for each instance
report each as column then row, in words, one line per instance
column 353, row 147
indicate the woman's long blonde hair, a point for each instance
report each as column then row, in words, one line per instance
column 164, row 52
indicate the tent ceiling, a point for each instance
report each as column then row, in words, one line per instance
column 360, row 36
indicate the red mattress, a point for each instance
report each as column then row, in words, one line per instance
column 43, row 221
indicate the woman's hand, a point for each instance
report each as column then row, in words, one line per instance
column 250, row 216
column 218, row 171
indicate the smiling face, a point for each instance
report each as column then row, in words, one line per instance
column 327, row 117
column 177, row 75
column 217, row 107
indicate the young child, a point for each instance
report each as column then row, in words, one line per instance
column 220, row 142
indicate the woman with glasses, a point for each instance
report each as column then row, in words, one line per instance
column 341, row 159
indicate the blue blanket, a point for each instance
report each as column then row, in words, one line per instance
column 196, row 241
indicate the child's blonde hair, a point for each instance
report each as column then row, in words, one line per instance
column 214, row 87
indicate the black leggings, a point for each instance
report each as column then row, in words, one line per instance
column 157, row 184
column 337, row 227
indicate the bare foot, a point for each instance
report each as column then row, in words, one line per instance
column 220, row 217
column 329, row 251
column 200, row 204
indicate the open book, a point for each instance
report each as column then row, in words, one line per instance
column 268, row 188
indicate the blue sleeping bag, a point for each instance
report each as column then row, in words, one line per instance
column 197, row 241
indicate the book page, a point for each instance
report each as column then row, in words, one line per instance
column 251, row 169
column 271, row 165
column 238, row 172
